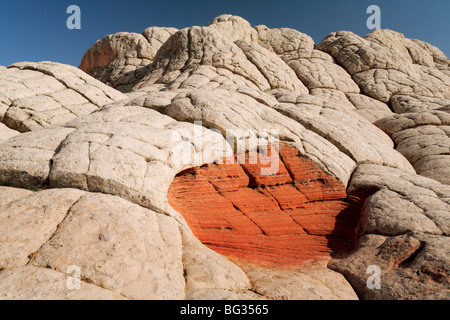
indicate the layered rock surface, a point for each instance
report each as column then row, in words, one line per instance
column 296, row 214
column 132, row 188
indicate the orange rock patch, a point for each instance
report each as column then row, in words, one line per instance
column 92, row 60
column 297, row 213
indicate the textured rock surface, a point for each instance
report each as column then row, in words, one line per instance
column 424, row 139
column 126, row 151
column 39, row 95
column 7, row 133
column 412, row 77
column 310, row 282
column 87, row 172
column 413, row 266
column 30, row 221
column 129, row 251
column 122, row 59
column 405, row 233
column 297, row 214
column 30, row 283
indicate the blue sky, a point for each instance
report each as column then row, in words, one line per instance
column 36, row 30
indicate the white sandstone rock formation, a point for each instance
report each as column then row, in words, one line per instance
column 85, row 168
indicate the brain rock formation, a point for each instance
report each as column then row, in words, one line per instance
column 228, row 162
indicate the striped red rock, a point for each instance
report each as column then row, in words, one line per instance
column 296, row 214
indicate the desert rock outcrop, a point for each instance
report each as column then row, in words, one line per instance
column 120, row 170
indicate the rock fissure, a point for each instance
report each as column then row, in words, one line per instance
column 69, row 210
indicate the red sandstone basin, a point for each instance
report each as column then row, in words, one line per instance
column 296, row 214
